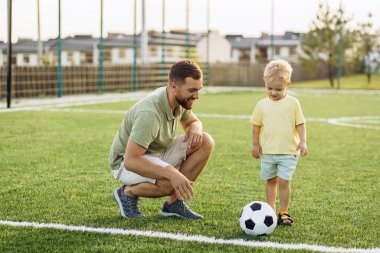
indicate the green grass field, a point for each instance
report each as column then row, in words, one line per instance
column 54, row 170
column 358, row 81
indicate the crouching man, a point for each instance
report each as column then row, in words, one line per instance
column 146, row 156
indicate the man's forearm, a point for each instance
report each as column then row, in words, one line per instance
column 142, row 166
column 196, row 124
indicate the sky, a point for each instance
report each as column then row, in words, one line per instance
column 247, row 17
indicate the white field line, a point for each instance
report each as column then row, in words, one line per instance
column 342, row 121
column 349, row 121
column 25, row 102
column 188, row 238
column 21, row 104
column 70, row 99
column 69, row 103
column 204, row 115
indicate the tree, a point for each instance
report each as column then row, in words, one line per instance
column 320, row 45
column 366, row 46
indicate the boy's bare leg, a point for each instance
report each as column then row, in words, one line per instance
column 271, row 192
column 284, row 192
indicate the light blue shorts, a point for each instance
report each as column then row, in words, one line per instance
column 282, row 166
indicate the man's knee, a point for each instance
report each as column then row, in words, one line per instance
column 208, row 142
column 205, row 148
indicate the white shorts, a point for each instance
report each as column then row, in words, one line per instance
column 175, row 155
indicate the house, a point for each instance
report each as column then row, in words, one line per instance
column 253, row 50
column 24, row 52
column 219, row 48
column 173, row 43
column 242, row 49
column 285, row 47
column 76, row 50
column 176, row 44
column 119, row 49
column 2, row 53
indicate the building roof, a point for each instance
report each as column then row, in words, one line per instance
column 124, row 42
column 30, row 46
column 287, row 39
column 78, row 42
column 239, row 42
column 277, row 42
column 23, row 46
column 174, row 38
column 86, row 43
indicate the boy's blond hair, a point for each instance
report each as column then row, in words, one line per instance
column 278, row 70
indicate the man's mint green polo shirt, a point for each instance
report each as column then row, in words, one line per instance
column 150, row 123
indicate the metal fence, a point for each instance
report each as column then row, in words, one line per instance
column 42, row 80
column 248, row 74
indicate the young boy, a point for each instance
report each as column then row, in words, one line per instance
column 279, row 136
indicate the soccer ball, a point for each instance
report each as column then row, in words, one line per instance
column 258, row 218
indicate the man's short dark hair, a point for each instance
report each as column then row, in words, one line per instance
column 179, row 71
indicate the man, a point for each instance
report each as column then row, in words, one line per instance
column 146, row 156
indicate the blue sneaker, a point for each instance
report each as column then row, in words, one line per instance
column 180, row 209
column 129, row 206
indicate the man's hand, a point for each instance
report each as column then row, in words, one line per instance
column 256, row 152
column 194, row 136
column 194, row 132
column 182, row 186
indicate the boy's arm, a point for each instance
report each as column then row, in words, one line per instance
column 302, row 147
column 256, row 152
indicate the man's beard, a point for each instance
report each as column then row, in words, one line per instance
column 184, row 102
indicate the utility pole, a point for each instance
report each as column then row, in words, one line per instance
column 100, row 70
column 340, row 46
column 39, row 42
column 208, row 44
column 272, row 34
column 163, row 43
column 134, row 74
column 9, row 67
column 59, row 47
column 187, row 30
column 144, row 36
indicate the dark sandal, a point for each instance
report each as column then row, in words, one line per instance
column 285, row 219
